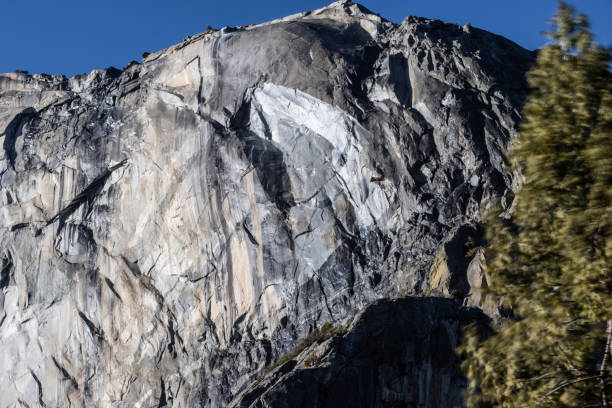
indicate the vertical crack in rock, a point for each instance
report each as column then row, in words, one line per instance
column 41, row 401
column 163, row 402
column 5, row 270
column 111, row 286
column 95, row 331
column 249, row 234
column 65, row 373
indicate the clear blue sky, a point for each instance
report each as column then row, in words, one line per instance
column 76, row 36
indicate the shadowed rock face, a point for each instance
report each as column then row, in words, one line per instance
column 397, row 353
column 168, row 230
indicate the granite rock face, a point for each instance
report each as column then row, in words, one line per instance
column 399, row 353
column 170, row 229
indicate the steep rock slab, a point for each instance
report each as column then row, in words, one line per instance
column 168, row 230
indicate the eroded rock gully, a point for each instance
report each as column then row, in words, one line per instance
column 169, row 230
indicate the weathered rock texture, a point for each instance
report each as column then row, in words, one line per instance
column 168, row 230
column 398, row 353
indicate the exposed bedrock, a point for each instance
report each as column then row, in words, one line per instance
column 399, row 353
column 169, row 230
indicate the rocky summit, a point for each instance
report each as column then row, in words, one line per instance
column 309, row 187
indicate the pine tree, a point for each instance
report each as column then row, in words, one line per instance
column 549, row 259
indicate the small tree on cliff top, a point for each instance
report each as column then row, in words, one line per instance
column 550, row 261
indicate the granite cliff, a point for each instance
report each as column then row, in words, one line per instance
column 169, row 230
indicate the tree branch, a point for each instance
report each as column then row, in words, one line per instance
column 604, row 361
column 569, row 382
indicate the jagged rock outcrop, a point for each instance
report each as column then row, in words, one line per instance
column 168, row 230
column 399, row 353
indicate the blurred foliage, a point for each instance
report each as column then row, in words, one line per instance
column 549, row 261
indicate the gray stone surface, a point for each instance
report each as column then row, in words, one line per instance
column 169, row 229
column 399, row 353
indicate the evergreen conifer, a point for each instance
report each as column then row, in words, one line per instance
column 549, row 259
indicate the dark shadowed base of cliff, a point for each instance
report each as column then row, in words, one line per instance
column 396, row 353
